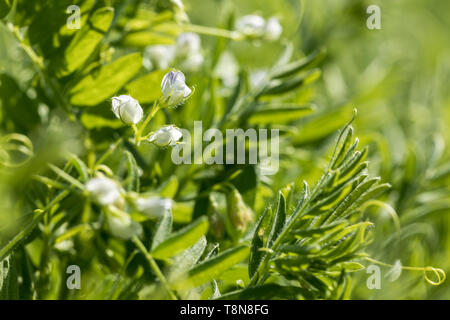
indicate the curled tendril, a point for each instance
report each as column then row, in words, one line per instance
column 439, row 273
column 15, row 142
column 388, row 209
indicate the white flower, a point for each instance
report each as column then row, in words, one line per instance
column 251, row 25
column 273, row 29
column 153, row 207
column 188, row 43
column 166, row 136
column 159, row 56
column 227, row 69
column 104, row 191
column 121, row 225
column 193, row 62
column 174, row 88
column 127, row 109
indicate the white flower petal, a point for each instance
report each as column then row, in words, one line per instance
column 251, row 25
column 174, row 88
column 273, row 29
column 166, row 136
column 123, row 226
column 153, row 207
column 127, row 109
column 103, row 191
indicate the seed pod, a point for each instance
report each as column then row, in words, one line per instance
column 239, row 214
column 216, row 220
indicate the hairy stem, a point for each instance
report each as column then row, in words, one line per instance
column 154, row 267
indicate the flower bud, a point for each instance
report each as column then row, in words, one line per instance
column 251, row 25
column 103, row 191
column 273, row 29
column 127, row 109
column 174, row 88
column 153, row 207
column 159, row 56
column 121, row 225
column 166, row 136
column 239, row 214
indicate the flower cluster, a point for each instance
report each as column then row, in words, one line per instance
column 254, row 26
column 186, row 52
column 174, row 92
column 106, row 192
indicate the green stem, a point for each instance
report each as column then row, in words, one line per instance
column 440, row 274
column 108, row 152
column 139, row 131
column 24, row 233
column 263, row 266
column 154, row 267
column 136, row 134
column 210, row 31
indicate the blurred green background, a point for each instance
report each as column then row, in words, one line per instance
column 398, row 79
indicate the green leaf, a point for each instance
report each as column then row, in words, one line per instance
column 163, row 229
column 282, row 86
column 81, row 167
column 321, row 230
column 92, row 121
column 103, row 83
column 142, row 39
column 181, row 240
column 212, row 268
column 133, row 173
column 279, row 220
column 188, row 258
column 5, row 6
column 266, row 292
column 348, row 201
column 342, row 147
column 8, row 248
column 299, row 65
column 256, row 255
column 352, row 266
column 323, row 125
column 85, row 42
column 9, row 289
column 17, row 108
column 279, row 115
column 146, row 89
column 352, row 163
column 169, row 188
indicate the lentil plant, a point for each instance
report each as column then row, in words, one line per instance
column 148, row 151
